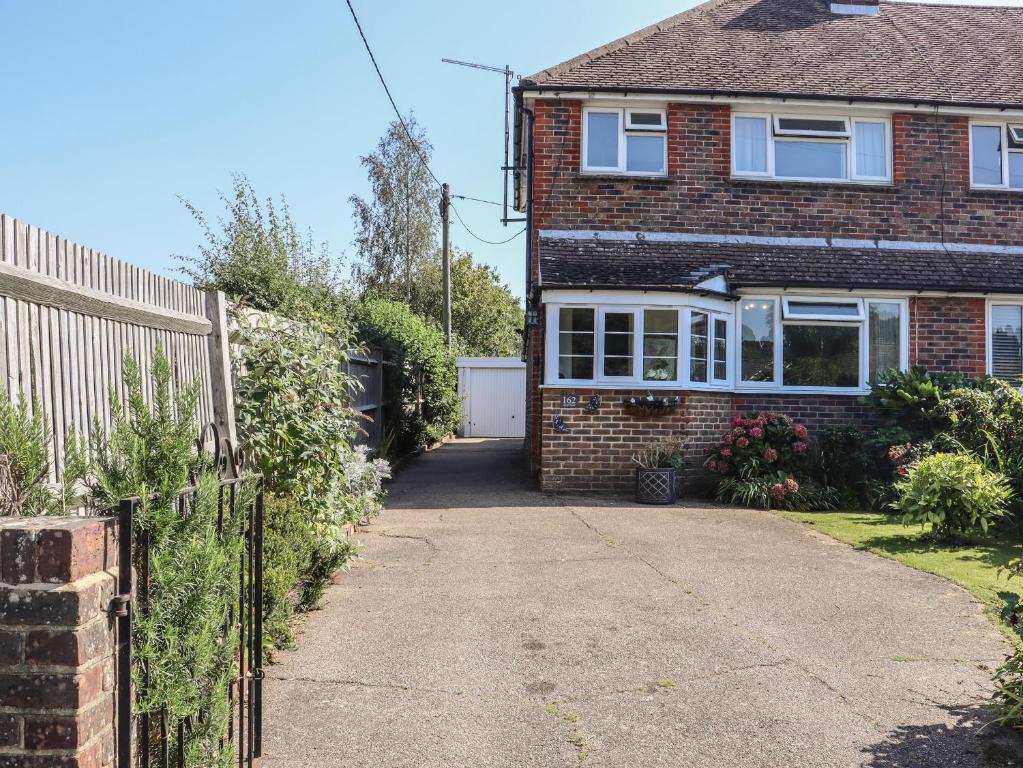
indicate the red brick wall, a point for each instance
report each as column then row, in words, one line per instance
column 931, row 153
column 815, row 411
column 596, row 452
column 948, row 335
column 57, row 642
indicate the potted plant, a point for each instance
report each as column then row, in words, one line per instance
column 657, row 470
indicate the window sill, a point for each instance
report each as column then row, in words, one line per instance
column 996, row 192
column 872, row 186
column 653, row 386
column 630, row 177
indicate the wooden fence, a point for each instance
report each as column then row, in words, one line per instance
column 69, row 315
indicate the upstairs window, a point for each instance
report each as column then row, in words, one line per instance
column 996, row 155
column 625, row 141
column 811, row 148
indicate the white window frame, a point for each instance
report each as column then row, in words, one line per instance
column 684, row 308
column 780, row 321
column 1006, row 151
column 625, row 129
column 848, row 139
column 554, row 345
column 989, row 327
column 844, row 134
column 601, row 324
column 787, row 313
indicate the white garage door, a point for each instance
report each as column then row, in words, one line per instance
column 493, row 393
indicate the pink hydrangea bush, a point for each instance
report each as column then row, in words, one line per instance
column 758, row 461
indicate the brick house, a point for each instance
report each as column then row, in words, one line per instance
column 760, row 204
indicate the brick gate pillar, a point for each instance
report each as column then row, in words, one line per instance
column 57, row 642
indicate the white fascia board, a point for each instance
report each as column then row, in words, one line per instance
column 822, row 105
column 792, row 242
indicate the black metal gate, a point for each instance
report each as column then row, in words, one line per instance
column 141, row 743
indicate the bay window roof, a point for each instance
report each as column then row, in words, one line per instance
column 635, row 264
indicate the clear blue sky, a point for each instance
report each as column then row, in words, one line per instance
column 113, row 108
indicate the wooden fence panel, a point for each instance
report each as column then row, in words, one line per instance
column 70, row 315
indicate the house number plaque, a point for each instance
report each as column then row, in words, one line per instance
column 570, row 401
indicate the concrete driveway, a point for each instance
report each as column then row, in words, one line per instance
column 490, row 625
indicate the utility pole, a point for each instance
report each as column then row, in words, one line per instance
column 445, row 217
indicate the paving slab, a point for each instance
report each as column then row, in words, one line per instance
column 487, row 624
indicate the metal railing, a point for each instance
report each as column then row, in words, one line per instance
column 141, row 743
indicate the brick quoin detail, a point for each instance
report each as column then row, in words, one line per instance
column 57, row 642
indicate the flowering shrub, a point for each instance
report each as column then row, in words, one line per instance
column 766, row 443
column 757, row 462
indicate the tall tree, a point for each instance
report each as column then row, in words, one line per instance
column 257, row 254
column 396, row 230
column 485, row 314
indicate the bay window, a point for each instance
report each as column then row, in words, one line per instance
column 826, row 343
column 1005, row 339
column 651, row 346
column 625, row 141
column 996, row 155
column 811, row 148
column 772, row 342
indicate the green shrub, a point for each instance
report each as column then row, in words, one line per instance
column 910, row 399
column 953, row 493
column 194, row 570
column 287, row 539
column 296, row 420
column 25, row 488
column 842, row 461
column 422, row 383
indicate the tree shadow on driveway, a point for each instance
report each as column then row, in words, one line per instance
column 967, row 743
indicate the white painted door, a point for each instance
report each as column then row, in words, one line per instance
column 496, row 404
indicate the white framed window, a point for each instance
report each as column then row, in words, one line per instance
column 661, row 345
column 811, row 147
column 617, row 344
column 625, row 141
column 827, row 343
column 577, row 343
column 1005, row 340
column 996, row 155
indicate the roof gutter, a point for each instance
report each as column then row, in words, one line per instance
column 687, row 289
column 524, row 88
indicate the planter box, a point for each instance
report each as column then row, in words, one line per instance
column 655, row 486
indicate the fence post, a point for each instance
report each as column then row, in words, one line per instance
column 221, row 384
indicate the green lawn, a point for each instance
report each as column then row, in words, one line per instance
column 978, row 567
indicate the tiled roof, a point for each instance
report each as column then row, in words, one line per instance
column 934, row 53
column 603, row 264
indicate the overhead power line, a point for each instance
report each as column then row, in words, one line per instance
column 476, row 200
column 383, row 82
column 477, row 237
column 415, row 144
